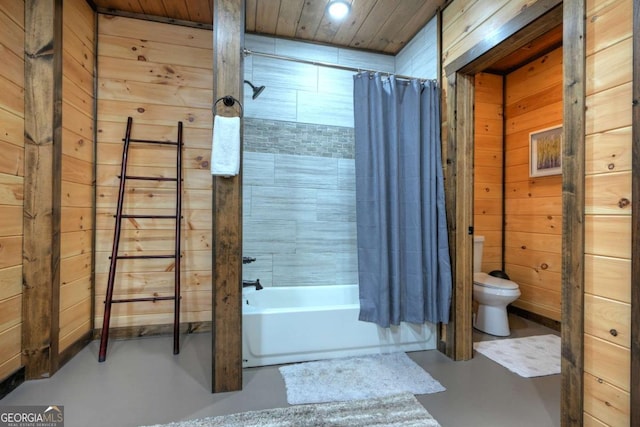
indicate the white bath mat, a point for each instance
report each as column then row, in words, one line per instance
column 528, row 357
column 353, row 378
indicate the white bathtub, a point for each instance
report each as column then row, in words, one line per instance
column 301, row 323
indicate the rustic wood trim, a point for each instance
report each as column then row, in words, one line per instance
column 43, row 130
column 511, row 36
column 441, row 329
column 57, row 186
column 573, row 189
column 503, row 196
column 535, row 317
column 448, row 345
column 459, row 200
column 227, row 207
column 439, row 46
column 69, row 352
column 94, row 171
column 464, row 216
column 154, row 18
column 129, row 332
column 635, row 226
column 11, row 382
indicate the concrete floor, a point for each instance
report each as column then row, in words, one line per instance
column 143, row 383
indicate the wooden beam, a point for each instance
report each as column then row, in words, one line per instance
column 43, row 138
column 447, row 343
column 152, row 18
column 573, row 189
column 228, row 17
column 459, row 199
column 635, row 226
column 464, row 216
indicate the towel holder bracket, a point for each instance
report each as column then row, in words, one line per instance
column 228, row 101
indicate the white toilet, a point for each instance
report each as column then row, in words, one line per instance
column 492, row 294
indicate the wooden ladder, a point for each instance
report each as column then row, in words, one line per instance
column 118, row 228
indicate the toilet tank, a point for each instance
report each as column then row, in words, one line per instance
column 478, row 243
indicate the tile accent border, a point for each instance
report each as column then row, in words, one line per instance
column 301, row 139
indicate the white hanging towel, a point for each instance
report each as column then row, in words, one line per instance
column 225, row 149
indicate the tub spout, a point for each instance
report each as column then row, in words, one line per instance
column 248, row 283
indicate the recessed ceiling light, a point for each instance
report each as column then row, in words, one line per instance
column 338, row 9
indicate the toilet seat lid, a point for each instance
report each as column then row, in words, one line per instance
column 483, row 279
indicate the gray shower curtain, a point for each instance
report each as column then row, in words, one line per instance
column 404, row 269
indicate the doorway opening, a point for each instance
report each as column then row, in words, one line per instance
column 460, row 98
column 517, row 216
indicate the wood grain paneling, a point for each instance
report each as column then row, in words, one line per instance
column 604, row 401
column 11, row 179
column 608, row 151
column 634, row 417
column 608, row 208
column 77, row 172
column 533, row 206
column 380, row 25
column 173, row 83
column 608, row 361
column 488, row 166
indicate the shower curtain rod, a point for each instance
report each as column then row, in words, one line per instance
column 247, row 52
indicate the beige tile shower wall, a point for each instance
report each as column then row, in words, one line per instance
column 533, row 205
column 419, row 58
column 76, row 228
column 11, row 183
column 488, row 154
column 305, row 93
column 608, row 213
column 158, row 74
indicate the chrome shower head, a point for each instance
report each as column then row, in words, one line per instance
column 256, row 90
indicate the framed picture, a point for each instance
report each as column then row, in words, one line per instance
column 545, row 152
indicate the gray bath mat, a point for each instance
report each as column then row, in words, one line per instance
column 400, row 410
column 528, row 357
column 353, row 378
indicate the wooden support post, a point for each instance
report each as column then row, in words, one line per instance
column 464, row 216
column 228, row 30
column 449, row 148
column 43, row 138
column 573, row 194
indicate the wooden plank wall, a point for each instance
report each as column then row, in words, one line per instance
column 533, row 206
column 158, row 74
column 11, row 183
column 487, row 167
column 76, row 229
column 608, row 212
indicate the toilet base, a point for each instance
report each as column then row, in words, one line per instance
column 492, row 320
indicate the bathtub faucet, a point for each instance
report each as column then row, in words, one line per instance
column 256, row 283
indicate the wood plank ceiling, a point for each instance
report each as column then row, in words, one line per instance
column 383, row 26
